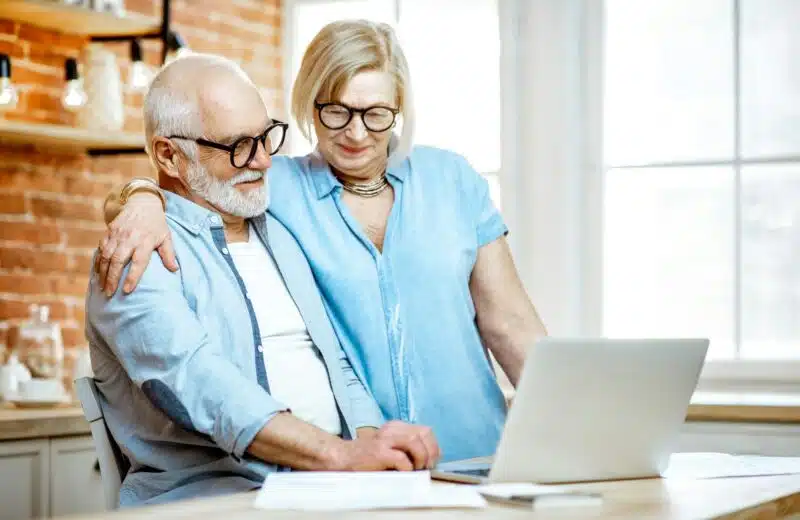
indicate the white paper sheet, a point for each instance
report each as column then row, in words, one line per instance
column 701, row 465
column 340, row 491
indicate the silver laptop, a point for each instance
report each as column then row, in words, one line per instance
column 592, row 409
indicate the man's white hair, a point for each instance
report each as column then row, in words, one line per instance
column 172, row 105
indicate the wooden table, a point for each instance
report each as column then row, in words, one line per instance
column 763, row 498
column 18, row 424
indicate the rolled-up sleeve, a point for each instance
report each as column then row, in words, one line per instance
column 489, row 223
column 165, row 350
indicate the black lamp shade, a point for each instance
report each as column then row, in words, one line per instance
column 136, row 51
column 5, row 66
column 71, row 69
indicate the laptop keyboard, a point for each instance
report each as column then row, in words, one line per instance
column 480, row 472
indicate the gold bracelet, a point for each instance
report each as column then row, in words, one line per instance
column 141, row 184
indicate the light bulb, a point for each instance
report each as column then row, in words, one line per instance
column 139, row 76
column 8, row 94
column 74, row 97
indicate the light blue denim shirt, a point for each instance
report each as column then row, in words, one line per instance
column 405, row 315
column 180, row 369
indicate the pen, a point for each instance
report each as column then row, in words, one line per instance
column 528, row 500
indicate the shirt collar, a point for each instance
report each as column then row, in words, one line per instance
column 195, row 218
column 325, row 182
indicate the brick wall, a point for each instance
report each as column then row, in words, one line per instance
column 50, row 203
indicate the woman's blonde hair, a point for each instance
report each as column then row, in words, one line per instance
column 338, row 52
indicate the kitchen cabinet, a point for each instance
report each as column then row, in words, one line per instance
column 49, row 477
column 24, row 479
column 75, row 485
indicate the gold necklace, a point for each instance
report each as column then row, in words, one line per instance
column 367, row 189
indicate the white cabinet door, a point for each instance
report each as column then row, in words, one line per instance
column 75, row 485
column 24, row 469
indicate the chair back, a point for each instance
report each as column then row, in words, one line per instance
column 113, row 465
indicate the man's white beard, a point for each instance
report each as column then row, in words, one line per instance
column 224, row 196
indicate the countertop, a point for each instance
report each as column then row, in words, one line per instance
column 18, row 424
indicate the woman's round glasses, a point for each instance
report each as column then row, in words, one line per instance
column 244, row 149
column 336, row 116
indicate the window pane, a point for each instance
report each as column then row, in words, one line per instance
column 453, row 50
column 494, row 190
column 771, row 262
column 770, row 77
column 668, row 255
column 308, row 19
column 668, row 86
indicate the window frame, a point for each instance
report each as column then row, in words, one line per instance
column 734, row 373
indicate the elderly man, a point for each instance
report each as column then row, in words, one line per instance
column 219, row 372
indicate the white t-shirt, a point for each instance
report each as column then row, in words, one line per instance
column 296, row 374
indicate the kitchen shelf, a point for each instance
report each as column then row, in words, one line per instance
column 77, row 20
column 67, row 137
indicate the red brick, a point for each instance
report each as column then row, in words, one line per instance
column 23, row 74
column 36, row 261
column 85, row 186
column 79, row 314
column 52, row 56
column 83, row 238
column 24, row 284
column 45, row 37
column 13, row 309
column 40, row 100
column 14, row 50
column 82, row 263
column 30, row 232
column 12, row 204
column 8, row 27
column 62, row 209
column 70, row 285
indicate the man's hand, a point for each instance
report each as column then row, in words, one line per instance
column 289, row 441
column 418, row 442
column 138, row 230
column 395, row 446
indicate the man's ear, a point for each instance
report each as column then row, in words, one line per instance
column 166, row 156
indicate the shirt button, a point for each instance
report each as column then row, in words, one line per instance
column 260, row 348
column 224, row 250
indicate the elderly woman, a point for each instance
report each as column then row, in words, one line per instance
column 405, row 244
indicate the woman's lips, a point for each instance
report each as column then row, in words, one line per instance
column 351, row 150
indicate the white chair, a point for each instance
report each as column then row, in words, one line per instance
column 113, row 465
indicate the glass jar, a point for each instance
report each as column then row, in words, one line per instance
column 40, row 346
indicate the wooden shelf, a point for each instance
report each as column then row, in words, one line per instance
column 66, row 137
column 76, row 20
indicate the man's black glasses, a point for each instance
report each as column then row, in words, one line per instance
column 244, row 149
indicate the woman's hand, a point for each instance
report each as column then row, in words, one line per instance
column 138, row 230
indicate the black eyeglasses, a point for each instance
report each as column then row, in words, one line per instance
column 244, row 149
column 336, row 116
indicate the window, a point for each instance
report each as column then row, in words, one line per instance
column 455, row 77
column 702, row 155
